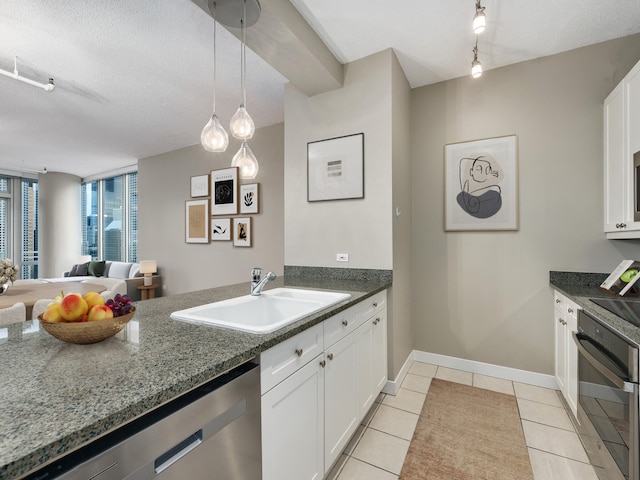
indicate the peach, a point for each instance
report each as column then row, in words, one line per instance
column 100, row 312
column 52, row 313
column 93, row 298
column 73, row 307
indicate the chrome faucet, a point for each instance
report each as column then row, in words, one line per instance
column 257, row 284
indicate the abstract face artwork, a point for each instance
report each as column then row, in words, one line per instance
column 480, row 193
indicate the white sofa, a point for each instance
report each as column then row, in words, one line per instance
column 114, row 273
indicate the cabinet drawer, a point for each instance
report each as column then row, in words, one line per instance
column 374, row 304
column 342, row 324
column 284, row 359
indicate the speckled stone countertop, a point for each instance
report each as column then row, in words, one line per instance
column 56, row 397
column 581, row 287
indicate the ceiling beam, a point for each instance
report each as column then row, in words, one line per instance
column 282, row 38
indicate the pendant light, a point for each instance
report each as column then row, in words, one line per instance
column 476, row 66
column 242, row 126
column 479, row 19
column 246, row 162
column 214, row 137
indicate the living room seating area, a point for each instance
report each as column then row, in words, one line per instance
column 109, row 274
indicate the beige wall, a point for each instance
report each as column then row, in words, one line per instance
column 484, row 296
column 375, row 100
column 59, row 223
column 164, row 186
column 400, row 331
column 315, row 232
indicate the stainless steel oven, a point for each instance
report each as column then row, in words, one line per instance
column 608, row 399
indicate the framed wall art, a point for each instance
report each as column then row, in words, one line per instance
column 250, row 198
column 481, row 184
column 220, row 229
column 200, row 186
column 335, row 168
column 242, row 232
column 224, row 191
column 197, row 221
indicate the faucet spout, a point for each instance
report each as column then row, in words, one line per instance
column 257, row 284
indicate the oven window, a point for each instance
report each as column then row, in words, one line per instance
column 607, row 408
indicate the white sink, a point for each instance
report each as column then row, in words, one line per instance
column 271, row 310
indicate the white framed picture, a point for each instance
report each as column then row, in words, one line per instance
column 481, row 184
column 197, row 221
column 200, row 186
column 242, row 232
column 220, row 229
column 224, row 191
column 250, row 198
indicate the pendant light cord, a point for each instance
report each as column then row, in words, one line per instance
column 243, row 55
column 215, row 58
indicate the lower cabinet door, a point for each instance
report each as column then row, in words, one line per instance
column 379, row 358
column 366, row 395
column 340, row 400
column 293, row 426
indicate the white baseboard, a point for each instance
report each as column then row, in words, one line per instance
column 392, row 386
column 506, row 373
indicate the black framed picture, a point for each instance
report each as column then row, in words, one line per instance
column 224, row 191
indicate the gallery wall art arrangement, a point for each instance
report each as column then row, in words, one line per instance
column 216, row 198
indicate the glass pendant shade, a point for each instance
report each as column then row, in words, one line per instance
column 476, row 69
column 479, row 22
column 242, row 126
column 214, row 137
column 246, row 162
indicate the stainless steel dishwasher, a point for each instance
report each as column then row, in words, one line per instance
column 212, row 432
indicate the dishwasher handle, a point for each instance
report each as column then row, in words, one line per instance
column 618, row 381
column 174, row 454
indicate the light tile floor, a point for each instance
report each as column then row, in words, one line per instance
column 377, row 450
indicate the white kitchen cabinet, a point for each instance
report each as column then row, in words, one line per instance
column 311, row 407
column 621, row 141
column 372, row 343
column 379, row 351
column 566, row 351
column 340, row 397
column 293, row 426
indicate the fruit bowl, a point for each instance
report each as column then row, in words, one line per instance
column 86, row 332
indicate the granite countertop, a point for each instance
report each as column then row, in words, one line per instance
column 57, row 396
column 581, row 287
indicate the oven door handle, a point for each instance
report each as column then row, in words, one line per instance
column 612, row 377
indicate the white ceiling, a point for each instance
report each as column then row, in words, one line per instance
column 134, row 77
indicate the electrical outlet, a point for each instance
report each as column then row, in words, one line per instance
column 342, row 257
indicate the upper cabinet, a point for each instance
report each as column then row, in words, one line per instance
column 621, row 173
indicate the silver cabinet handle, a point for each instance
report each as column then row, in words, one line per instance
column 558, row 300
column 322, row 363
column 330, row 356
column 570, row 310
column 621, row 225
column 299, row 352
column 562, row 321
column 345, row 322
column 376, row 321
column 375, row 304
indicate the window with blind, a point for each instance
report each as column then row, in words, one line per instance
column 110, row 218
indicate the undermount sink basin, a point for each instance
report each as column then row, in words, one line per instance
column 271, row 310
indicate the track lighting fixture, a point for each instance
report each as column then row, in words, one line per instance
column 476, row 66
column 479, row 19
column 47, row 87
